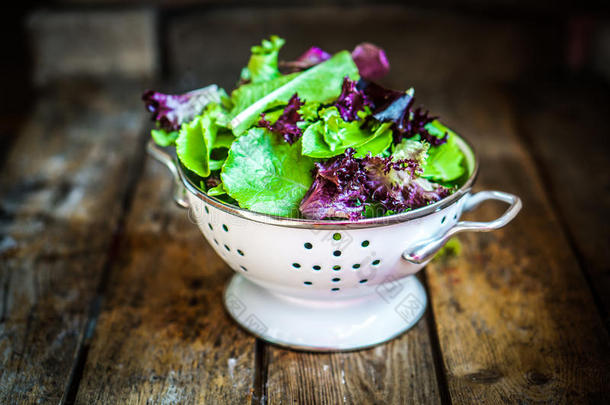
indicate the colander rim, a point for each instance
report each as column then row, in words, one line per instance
column 464, row 144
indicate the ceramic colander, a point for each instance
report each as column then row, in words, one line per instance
column 330, row 285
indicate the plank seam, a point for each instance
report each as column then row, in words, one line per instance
column 134, row 174
column 261, row 366
column 437, row 352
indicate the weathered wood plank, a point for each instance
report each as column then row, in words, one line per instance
column 399, row 372
column 566, row 125
column 163, row 335
column 515, row 318
column 62, row 186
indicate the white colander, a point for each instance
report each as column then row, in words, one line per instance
column 330, row 285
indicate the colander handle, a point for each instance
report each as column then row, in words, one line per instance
column 424, row 251
column 163, row 157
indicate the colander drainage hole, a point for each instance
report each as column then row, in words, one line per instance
column 337, row 253
column 210, row 226
column 226, row 229
column 363, row 281
column 207, row 211
column 308, row 245
column 240, row 252
column 243, row 268
column 376, row 262
column 215, row 241
column 337, row 236
column 443, row 220
column 365, row 243
column 455, row 216
column 316, row 267
column 336, row 280
column 226, row 247
column 296, row 265
column 356, row 266
column 335, row 289
column 307, row 282
column 336, row 267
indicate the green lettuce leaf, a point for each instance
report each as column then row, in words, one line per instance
column 322, row 83
column 164, row 138
column 444, row 162
column 197, row 138
column 331, row 136
column 265, row 174
column 216, row 191
column 262, row 65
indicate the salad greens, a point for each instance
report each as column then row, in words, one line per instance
column 313, row 138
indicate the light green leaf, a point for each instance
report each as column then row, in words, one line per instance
column 265, row 174
column 331, row 136
column 197, row 138
column 262, row 65
column 164, row 138
column 444, row 162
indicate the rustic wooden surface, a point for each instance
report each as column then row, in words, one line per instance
column 109, row 294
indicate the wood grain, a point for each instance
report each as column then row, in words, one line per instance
column 399, row 372
column 515, row 318
column 62, row 186
column 163, row 335
column 566, row 124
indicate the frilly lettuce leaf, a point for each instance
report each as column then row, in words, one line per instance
column 262, row 65
column 321, row 83
column 331, row 136
column 265, row 174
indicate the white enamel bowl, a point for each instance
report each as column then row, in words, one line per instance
column 330, row 285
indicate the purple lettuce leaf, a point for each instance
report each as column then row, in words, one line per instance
column 286, row 124
column 351, row 101
column 171, row 110
column 344, row 185
column 371, row 60
column 338, row 190
column 395, row 186
column 397, row 107
column 311, row 57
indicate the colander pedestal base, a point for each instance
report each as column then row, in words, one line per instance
column 382, row 313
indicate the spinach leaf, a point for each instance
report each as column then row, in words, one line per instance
column 265, row 174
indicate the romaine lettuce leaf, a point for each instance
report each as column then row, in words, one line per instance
column 321, row 83
column 265, row 174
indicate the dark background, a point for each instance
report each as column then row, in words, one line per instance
column 191, row 43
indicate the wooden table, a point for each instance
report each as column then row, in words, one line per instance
column 108, row 294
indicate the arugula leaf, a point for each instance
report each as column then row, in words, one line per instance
column 265, row 174
column 262, row 65
column 444, row 162
column 321, row 83
column 331, row 136
column 164, row 138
